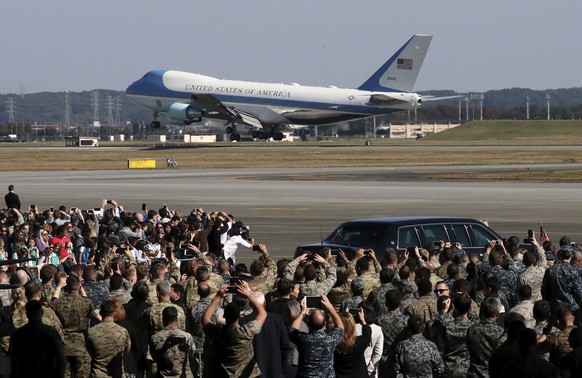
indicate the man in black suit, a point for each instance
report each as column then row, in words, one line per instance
column 11, row 199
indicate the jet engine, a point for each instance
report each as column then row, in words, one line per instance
column 184, row 112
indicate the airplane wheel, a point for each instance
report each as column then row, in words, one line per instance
column 368, row 143
column 155, row 124
column 255, row 134
column 262, row 135
column 229, row 130
column 232, row 137
column 279, row 136
column 237, row 137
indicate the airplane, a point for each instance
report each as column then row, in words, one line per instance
column 266, row 107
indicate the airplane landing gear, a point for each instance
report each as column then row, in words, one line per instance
column 155, row 124
column 232, row 134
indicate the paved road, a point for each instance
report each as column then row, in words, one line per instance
column 284, row 210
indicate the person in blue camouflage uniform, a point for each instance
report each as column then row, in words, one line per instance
column 377, row 296
column 417, row 356
column 316, row 348
column 456, row 354
column 97, row 291
column 483, row 338
column 507, row 277
column 562, row 285
column 392, row 323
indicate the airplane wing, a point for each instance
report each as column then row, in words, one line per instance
column 212, row 106
column 384, row 100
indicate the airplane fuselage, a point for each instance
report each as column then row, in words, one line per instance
column 270, row 103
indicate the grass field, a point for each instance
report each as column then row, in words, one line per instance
column 15, row 157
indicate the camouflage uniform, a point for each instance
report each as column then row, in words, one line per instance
column 534, row 276
column 482, row 340
column 339, row 294
column 392, row 323
column 377, row 298
column 525, row 309
column 49, row 318
column 215, row 282
column 234, row 345
column 371, row 281
column 561, row 345
column 562, row 286
column 507, row 282
column 171, row 349
column 106, row 343
column 152, row 317
column 316, row 351
column 313, row 287
column 417, row 357
column 47, row 291
column 196, row 313
column 265, row 282
column 456, row 351
column 551, row 337
column 152, row 293
column 425, row 307
column 74, row 312
column 122, row 295
column 98, row 292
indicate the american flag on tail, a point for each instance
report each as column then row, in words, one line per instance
column 543, row 236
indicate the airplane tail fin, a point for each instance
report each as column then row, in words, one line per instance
column 401, row 70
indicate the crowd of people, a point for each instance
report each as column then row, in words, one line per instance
column 107, row 292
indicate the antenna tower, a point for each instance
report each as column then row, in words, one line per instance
column 67, row 111
column 11, row 109
column 548, row 103
column 109, row 111
column 527, row 107
column 118, row 111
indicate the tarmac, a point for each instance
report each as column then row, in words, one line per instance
column 289, row 207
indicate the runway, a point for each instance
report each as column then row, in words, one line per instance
column 287, row 207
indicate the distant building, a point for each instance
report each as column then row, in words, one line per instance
column 81, row 141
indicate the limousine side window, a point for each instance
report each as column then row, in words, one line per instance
column 408, row 237
column 435, row 232
column 480, row 235
column 461, row 235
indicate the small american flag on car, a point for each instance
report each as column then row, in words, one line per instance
column 404, row 64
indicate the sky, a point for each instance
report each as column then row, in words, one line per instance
column 76, row 45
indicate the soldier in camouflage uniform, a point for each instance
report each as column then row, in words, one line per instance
column 264, row 272
column 562, row 285
column 172, row 348
column 377, row 296
column 96, row 291
column 357, row 288
column 456, row 354
column 311, row 287
column 392, row 323
column 365, row 273
column 541, row 313
column 533, row 275
column 107, row 342
column 316, row 348
column 47, row 273
column 157, row 275
column 74, row 312
column 32, row 292
column 417, row 356
column 340, row 291
column 152, row 317
column 197, row 329
column 483, row 338
column 425, row 306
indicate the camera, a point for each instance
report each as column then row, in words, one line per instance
column 143, row 207
column 257, row 248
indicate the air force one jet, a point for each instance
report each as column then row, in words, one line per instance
column 265, row 107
